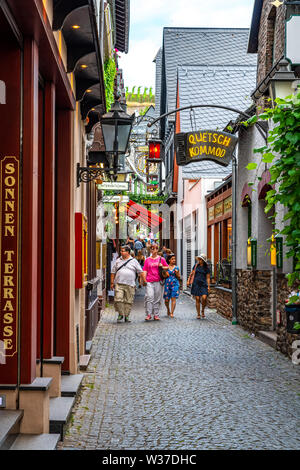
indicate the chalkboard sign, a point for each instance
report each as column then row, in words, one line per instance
column 204, row 145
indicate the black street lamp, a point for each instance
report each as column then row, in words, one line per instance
column 116, row 127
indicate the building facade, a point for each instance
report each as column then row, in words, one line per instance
column 52, row 95
column 262, row 287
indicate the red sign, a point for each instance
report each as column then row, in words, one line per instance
column 9, row 190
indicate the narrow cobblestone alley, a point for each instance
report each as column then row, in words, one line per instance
column 184, row 383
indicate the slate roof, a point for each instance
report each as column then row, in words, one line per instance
column 195, row 46
column 121, row 18
column 228, row 85
column 158, row 65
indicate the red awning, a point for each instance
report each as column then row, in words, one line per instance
column 143, row 216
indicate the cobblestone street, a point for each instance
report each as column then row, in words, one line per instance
column 184, row 383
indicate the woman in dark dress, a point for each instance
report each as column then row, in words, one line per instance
column 200, row 280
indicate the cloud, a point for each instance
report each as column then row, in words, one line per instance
column 138, row 67
column 213, row 13
column 148, row 18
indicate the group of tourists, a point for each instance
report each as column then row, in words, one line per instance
column 161, row 277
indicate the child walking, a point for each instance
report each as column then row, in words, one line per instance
column 172, row 286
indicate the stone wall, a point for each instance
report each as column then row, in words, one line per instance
column 254, row 300
column 284, row 339
column 221, row 300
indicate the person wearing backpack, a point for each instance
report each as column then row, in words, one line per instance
column 138, row 245
column 123, row 279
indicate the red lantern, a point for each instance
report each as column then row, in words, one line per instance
column 154, row 150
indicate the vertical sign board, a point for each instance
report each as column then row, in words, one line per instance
column 9, row 190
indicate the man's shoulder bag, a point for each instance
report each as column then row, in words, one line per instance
column 122, row 266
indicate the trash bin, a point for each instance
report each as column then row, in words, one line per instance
column 293, row 318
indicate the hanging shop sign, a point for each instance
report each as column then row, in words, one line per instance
column 114, row 186
column 204, row 145
column 9, row 220
column 115, row 199
column 152, row 187
column 152, row 201
column 292, row 28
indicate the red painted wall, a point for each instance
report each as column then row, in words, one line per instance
column 9, row 146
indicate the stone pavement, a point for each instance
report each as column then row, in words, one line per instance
column 184, row 383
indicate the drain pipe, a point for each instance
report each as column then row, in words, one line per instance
column 274, row 297
column 233, row 265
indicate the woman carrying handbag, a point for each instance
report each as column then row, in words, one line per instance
column 200, row 281
column 153, row 279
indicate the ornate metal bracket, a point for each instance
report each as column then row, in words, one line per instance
column 87, row 174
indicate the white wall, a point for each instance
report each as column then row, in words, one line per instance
column 261, row 225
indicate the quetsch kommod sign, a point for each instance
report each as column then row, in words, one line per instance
column 204, row 145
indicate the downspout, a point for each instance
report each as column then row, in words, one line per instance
column 233, row 267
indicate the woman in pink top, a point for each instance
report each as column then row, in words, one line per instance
column 154, row 288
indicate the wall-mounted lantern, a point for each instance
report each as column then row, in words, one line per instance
column 276, row 251
column 154, row 150
column 110, row 143
column 116, row 128
column 252, row 252
column 249, row 252
column 281, row 83
column 273, row 251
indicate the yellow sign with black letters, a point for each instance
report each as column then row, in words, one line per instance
column 205, row 145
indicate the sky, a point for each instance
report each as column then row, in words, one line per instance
column 149, row 17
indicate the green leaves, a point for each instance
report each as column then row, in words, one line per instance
column 251, row 166
column 110, row 71
column 268, row 157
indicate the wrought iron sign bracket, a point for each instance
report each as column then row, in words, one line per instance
column 88, row 174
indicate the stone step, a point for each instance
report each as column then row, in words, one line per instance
column 268, row 337
column 9, row 427
column 59, row 414
column 35, row 442
column 84, row 361
column 70, row 384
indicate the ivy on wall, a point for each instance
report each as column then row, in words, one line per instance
column 283, row 153
column 110, row 71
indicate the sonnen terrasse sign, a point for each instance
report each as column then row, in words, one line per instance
column 204, row 145
column 9, row 223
